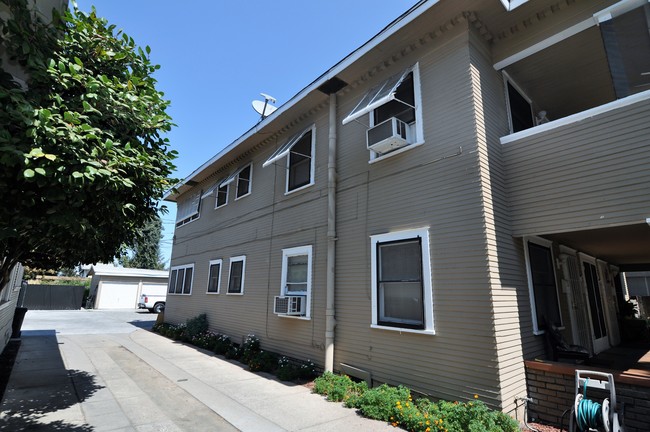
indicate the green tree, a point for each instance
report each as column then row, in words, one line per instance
column 83, row 160
column 144, row 252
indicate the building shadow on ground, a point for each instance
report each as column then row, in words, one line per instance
column 41, row 393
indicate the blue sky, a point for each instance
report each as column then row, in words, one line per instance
column 217, row 56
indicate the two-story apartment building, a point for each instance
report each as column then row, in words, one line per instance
column 426, row 208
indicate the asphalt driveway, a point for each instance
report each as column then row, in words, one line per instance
column 91, row 370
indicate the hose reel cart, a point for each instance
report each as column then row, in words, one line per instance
column 590, row 414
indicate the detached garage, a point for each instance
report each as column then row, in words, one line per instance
column 120, row 288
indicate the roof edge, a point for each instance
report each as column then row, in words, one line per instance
column 400, row 22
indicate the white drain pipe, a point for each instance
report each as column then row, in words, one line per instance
column 330, row 320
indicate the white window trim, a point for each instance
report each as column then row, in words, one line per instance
column 216, row 196
column 179, row 267
column 285, row 148
column 507, row 79
column 241, row 258
column 531, row 290
column 423, row 233
column 210, row 264
column 418, row 139
column 297, row 251
column 312, row 164
column 250, row 182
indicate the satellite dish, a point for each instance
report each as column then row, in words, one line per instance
column 262, row 107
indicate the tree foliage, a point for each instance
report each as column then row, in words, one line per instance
column 83, row 159
column 145, row 248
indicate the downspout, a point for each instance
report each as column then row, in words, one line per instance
column 330, row 320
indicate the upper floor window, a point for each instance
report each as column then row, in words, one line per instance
column 401, row 281
column 542, row 285
column 222, row 196
column 188, row 210
column 220, row 192
column 243, row 180
column 236, row 277
column 395, row 113
column 299, row 151
column 180, row 279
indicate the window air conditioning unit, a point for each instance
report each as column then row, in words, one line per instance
column 387, row 136
column 289, row 305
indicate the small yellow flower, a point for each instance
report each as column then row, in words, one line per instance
column 428, row 423
column 475, row 396
column 394, row 424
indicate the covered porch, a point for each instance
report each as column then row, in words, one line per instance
column 551, row 385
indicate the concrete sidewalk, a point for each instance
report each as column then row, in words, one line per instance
column 135, row 380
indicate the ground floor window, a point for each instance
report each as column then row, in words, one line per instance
column 296, row 275
column 180, row 279
column 236, row 277
column 542, row 285
column 401, row 280
column 214, row 277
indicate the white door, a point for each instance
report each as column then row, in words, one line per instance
column 596, row 307
column 609, row 301
column 578, row 305
column 118, row 295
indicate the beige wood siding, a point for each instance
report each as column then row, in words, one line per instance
column 259, row 226
column 512, row 323
column 589, row 174
column 433, row 185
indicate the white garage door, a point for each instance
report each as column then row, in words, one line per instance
column 118, row 295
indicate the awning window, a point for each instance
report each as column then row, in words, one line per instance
column 378, row 96
column 231, row 177
column 284, row 149
column 188, row 208
column 211, row 189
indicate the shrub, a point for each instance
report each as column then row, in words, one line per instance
column 288, row 370
column 178, row 332
column 250, row 348
column 196, row 326
column 222, row 344
column 234, row 352
column 161, row 328
column 307, row 370
column 381, row 403
column 339, row 388
column 205, row 340
column 263, row 361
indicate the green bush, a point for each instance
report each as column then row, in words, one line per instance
column 234, row 352
column 250, row 348
column 222, row 344
column 205, row 340
column 288, row 370
column 395, row 405
column 380, row 403
column 339, row 388
column 196, row 326
column 178, row 332
column 263, row 361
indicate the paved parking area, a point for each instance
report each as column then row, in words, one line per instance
column 83, row 371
